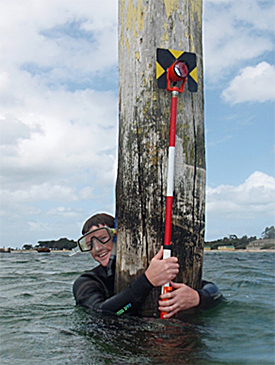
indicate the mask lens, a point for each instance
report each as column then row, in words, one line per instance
column 84, row 243
column 102, row 235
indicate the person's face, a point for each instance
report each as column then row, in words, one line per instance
column 101, row 252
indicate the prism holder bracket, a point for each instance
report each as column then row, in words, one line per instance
column 173, row 67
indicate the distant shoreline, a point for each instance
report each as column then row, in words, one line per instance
column 241, row 250
column 26, row 251
column 68, row 251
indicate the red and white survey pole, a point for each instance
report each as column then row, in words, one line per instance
column 177, row 72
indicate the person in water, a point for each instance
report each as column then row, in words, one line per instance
column 95, row 289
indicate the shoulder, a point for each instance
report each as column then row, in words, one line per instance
column 211, row 288
column 97, row 274
column 94, row 273
column 90, row 283
column 210, row 295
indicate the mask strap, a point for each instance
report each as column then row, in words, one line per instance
column 112, row 262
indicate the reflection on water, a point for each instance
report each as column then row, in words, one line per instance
column 140, row 340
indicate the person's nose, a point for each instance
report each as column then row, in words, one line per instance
column 97, row 245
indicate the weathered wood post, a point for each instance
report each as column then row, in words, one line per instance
column 144, row 115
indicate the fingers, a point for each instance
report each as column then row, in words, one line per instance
column 171, row 269
column 168, row 295
column 177, row 285
column 167, row 301
column 161, row 271
column 171, row 262
column 169, row 309
column 171, row 259
column 159, row 255
column 182, row 298
column 169, row 314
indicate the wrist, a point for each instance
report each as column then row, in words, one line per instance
column 148, row 277
column 197, row 299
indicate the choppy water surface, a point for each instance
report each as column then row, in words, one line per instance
column 41, row 325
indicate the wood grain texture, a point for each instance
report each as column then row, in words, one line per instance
column 144, row 116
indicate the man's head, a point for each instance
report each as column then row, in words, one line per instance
column 102, row 219
column 100, row 238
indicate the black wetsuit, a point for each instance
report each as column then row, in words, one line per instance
column 95, row 289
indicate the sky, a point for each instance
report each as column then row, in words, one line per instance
column 59, row 123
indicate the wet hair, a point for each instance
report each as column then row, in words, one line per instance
column 96, row 220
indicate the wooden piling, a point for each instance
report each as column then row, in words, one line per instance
column 144, row 115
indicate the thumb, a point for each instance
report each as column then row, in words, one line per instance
column 159, row 254
column 176, row 285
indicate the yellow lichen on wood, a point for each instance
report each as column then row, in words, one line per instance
column 122, row 7
column 135, row 16
column 127, row 46
column 165, row 36
column 130, row 18
column 140, row 18
column 170, row 6
column 134, row 22
column 197, row 9
column 191, row 43
column 146, row 107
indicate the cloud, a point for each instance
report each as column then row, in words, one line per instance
column 256, row 193
column 220, row 141
column 252, row 84
column 234, row 33
column 53, row 136
column 54, row 119
column 38, row 193
column 58, row 115
column 64, row 212
column 38, row 226
column 250, row 204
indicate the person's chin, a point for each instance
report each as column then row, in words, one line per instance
column 104, row 260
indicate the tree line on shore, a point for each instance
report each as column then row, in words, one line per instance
column 62, row 243
column 231, row 240
column 240, row 243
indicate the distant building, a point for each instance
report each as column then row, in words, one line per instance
column 262, row 244
column 5, row 249
column 227, row 248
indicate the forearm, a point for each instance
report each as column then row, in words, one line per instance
column 89, row 295
column 130, row 299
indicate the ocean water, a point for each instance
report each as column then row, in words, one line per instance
column 40, row 323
